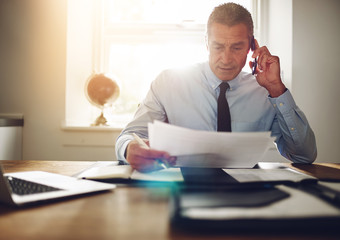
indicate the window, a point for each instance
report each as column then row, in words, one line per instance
column 132, row 41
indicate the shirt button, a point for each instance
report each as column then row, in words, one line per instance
column 274, row 104
column 292, row 129
column 281, row 104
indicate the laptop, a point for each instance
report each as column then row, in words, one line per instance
column 23, row 188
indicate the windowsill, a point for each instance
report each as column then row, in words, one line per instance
column 84, row 135
column 84, row 127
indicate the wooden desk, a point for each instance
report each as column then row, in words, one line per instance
column 125, row 213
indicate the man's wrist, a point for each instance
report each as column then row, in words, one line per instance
column 277, row 91
column 126, row 150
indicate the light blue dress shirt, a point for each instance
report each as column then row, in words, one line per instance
column 188, row 98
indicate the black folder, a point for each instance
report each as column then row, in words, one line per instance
column 244, row 207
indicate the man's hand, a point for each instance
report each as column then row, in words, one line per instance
column 268, row 71
column 146, row 160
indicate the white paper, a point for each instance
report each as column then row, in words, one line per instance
column 335, row 186
column 105, row 170
column 259, row 175
column 229, row 149
column 164, row 175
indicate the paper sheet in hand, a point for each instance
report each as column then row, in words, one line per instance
column 212, row 149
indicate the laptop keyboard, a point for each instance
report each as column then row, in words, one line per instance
column 23, row 187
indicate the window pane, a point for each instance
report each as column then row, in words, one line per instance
column 162, row 11
column 133, row 40
column 137, row 65
column 143, row 37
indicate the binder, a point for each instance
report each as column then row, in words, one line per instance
column 244, row 207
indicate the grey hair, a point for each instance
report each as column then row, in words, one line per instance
column 231, row 14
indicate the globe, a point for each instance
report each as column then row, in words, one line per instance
column 101, row 91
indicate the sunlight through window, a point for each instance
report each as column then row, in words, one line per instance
column 134, row 40
column 149, row 36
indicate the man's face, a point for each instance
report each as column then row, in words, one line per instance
column 228, row 48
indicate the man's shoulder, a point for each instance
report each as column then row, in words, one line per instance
column 247, row 83
column 186, row 69
column 246, row 79
column 183, row 73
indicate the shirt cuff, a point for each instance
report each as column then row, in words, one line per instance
column 122, row 148
column 283, row 103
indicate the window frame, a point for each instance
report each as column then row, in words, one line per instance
column 104, row 35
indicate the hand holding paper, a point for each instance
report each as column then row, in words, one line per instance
column 144, row 159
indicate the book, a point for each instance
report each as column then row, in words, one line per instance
column 112, row 171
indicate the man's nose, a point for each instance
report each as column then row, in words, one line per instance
column 227, row 56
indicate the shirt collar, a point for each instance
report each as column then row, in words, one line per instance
column 215, row 82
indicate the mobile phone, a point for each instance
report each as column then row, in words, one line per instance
column 252, row 47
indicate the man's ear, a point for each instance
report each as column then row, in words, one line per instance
column 206, row 42
column 252, row 43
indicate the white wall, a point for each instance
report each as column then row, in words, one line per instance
column 316, row 82
column 305, row 35
column 32, row 82
column 276, row 33
column 33, row 70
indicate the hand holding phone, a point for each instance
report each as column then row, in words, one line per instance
column 266, row 67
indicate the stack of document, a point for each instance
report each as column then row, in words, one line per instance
column 111, row 170
column 197, row 148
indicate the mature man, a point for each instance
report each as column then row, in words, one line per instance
column 190, row 97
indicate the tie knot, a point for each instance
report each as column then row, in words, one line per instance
column 223, row 87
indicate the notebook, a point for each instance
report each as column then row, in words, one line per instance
column 22, row 188
column 111, row 172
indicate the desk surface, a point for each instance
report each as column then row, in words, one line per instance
column 125, row 213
